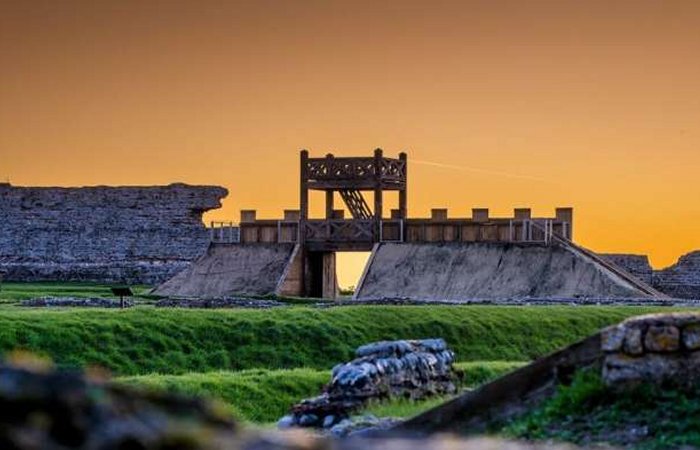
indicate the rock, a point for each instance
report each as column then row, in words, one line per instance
column 286, row 422
column 612, row 338
column 328, row 421
column 341, row 429
column 633, row 342
column 662, row 338
column 308, row 420
column 691, row 336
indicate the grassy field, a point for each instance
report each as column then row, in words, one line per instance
column 11, row 292
column 146, row 340
column 259, row 362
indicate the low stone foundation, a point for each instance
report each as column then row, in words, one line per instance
column 75, row 302
column 215, row 303
column 657, row 348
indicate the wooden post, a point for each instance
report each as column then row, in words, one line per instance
column 303, row 216
column 303, row 193
column 329, row 204
column 403, row 199
column 378, row 159
column 329, row 193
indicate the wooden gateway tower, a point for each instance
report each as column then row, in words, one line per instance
column 349, row 177
column 308, row 245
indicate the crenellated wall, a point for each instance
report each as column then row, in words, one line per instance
column 107, row 234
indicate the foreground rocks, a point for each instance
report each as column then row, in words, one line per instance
column 382, row 370
column 656, row 348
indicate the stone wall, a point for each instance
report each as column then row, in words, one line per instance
column 656, row 348
column 105, row 234
column 637, row 265
column 681, row 279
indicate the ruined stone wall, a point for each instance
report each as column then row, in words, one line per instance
column 637, row 265
column 681, row 279
column 106, row 234
column 657, row 348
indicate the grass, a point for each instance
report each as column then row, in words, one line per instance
column 146, row 340
column 588, row 413
column 13, row 291
column 258, row 395
column 263, row 395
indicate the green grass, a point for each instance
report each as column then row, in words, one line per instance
column 258, row 395
column 589, row 413
column 475, row 373
column 14, row 292
column 263, row 395
column 146, row 340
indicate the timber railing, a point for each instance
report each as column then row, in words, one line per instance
column 355, row 172
column 224, row 232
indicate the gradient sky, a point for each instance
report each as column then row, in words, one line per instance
column 590, row 104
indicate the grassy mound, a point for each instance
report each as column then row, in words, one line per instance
column 263, row 395
column 146, row 340
column 587, row 413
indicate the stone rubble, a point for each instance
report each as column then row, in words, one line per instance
column 76, row 302
column 388, row 369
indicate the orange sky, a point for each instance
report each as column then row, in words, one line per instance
column 592, row 104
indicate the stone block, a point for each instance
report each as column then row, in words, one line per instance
column 691, row 336
column 624, row 371
column 633, row 342
column 662, row 338
column 612, row 338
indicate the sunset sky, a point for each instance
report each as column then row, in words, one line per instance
column 499, row 104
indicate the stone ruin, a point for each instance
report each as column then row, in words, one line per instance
column 136, row 235
column 382, row 370
column 681, row 280
column 76, row 302
column 656, row 348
